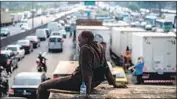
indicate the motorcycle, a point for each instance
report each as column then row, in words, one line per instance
column 4, row 86
column 40, row 68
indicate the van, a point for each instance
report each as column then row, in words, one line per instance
column 53, row 26
column 55, row 43
column 41, row 34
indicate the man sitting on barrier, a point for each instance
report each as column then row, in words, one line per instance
column 92, row 69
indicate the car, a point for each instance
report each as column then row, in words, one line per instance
column 63, row 32
column 41, row 34
column 55, row 43
column 25, row 27
column 4, row 32
column 56, row 33
column 18, row 50
column 23, row 21
column 27, row 45
column 8, row 58
column 25, row 84
column 35, row 41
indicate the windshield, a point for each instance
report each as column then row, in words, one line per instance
column 149, row 21
column 55, row 39
column 3, row 57
column 31, row 38
column 55, row 33
column 168, row 25
column 4, row 30
column 11, row 48
column 26, row 81
column 22, row 43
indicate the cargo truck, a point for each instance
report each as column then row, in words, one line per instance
column 121, row 39
column 6, row 19
column 101, row 33
column 159, row 53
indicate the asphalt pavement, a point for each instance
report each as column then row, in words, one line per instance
column 37, row 21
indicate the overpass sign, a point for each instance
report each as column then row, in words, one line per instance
column 89, row 3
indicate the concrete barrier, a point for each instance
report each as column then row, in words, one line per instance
column 14, row 38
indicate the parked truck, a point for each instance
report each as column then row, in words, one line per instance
column 101, row 34
column 159, row 53
column 121, row 39
column 6, row 19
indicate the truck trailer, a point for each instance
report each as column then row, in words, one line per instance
column 121, row 38
column 159, row 53
column 6, row 19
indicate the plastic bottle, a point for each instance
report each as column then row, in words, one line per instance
column 83, row 89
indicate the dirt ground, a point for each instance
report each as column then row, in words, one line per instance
column 105, row 91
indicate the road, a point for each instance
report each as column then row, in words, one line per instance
column 28, row 64
column 37, row 21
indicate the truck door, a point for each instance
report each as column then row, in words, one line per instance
column 171, row 55
column 159, row 48
column 123, row 44
column 148, row 55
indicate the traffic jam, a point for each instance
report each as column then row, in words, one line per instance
column 58, row 50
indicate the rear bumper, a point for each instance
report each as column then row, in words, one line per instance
column 35, row 45
column 27, row 49
column 156, row 76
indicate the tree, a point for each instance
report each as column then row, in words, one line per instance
column 133, row 6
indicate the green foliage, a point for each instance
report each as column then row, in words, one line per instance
column 133, row 6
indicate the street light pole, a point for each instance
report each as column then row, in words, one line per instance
column 32, row 15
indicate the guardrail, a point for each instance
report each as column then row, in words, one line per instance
column 14, row 38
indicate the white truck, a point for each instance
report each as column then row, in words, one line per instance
column 6, row 19
column 159, row 53
column 116, row 24
column 101, row 33
column 121, row 37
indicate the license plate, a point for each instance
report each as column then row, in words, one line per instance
column 145, row 76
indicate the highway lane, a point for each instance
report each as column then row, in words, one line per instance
column 37, row 21
column 28, row 64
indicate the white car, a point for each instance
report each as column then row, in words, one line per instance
column 41, row 34
column 55, row 43
column 63, row 32
column 25, row 27
column 18, row 50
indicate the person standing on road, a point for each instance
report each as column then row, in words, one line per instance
column 138, row 70
column 92, row 69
